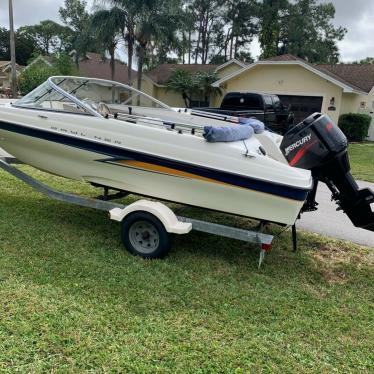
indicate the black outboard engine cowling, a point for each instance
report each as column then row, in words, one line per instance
column 317, row 144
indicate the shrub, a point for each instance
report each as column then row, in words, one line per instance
column 34, row 76
column 355, row 126
column 64, row 64
column 38, row 73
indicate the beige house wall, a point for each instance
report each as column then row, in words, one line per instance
column 369, row 109
column 148, row 87
column 287, row 80
column 229, row 69
column 170, row 97
column 354, row 103
column 351, row 103
column 370, row 100
column 276, row 79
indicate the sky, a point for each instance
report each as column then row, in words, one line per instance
column 357, row 16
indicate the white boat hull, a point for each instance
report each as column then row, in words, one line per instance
column 44, row 145
column 82, row 165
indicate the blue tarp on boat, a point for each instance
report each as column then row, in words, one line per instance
column 213, row 134
column 257, row 125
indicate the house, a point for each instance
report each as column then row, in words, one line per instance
column 155, row 81
column 308, row 88
column 46, row 60
column 93, row 65
column 6, row 74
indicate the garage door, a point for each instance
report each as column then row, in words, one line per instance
column 302, row 106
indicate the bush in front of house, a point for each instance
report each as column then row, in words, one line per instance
column 34, row 76
column 355, row 126
column 38, row 73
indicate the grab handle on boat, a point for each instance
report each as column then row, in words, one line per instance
column 42, row 116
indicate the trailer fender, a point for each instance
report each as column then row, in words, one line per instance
column 159, row 210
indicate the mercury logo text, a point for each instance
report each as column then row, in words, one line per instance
column 297, row 144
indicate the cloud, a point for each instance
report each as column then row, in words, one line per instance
column 28, row 12
column 358, row 18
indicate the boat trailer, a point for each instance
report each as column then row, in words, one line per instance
column 145, row 223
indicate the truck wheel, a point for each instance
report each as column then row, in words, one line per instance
column 144, row 235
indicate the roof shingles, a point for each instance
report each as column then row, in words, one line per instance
column 361, row 76
column 94, row 66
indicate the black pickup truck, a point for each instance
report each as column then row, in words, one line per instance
column 265, row 107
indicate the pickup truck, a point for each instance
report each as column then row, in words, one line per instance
column 265, row 107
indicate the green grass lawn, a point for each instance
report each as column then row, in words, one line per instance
column 72, row 300
column 361, row 156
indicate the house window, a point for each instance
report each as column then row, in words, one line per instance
column 363, row 104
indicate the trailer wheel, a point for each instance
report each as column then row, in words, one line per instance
column 144, row 235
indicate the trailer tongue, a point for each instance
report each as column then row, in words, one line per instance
column 317, row 144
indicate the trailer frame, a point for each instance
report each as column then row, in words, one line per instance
column 115, row 210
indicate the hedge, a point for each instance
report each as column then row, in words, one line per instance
column 355, row 126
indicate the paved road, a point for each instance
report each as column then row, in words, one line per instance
column 327, row 221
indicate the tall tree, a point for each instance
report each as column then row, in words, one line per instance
column 208, row 15
column 75, row 16
column 26, row 46
column 309, row 32
column 303, row 28
column 188, row 19
column 130, row 10
column 271, row 17
column 240, row 19
column 153, row 23
column 108, row 28
column 168, row 40
column 48, row 35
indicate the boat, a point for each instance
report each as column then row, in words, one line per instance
column 114, row 136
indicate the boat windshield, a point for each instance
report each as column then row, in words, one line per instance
column 86, row 96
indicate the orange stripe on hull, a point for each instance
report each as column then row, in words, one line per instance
column 178, row 173
column 166, row 170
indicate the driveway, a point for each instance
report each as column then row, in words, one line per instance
column 327, row 221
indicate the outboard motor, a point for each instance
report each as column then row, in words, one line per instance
column 317, row 144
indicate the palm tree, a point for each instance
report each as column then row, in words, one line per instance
column 145, row 21
column 107, row 26
column 74, row 15
column 199, row 84
column 158, row 19
column 130, row 10
column 204, row 82
column 182, row 82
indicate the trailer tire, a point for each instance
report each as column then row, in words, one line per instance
column 144, row 235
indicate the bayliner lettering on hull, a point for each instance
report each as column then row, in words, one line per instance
column 297, row 144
